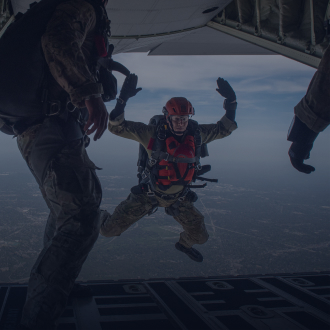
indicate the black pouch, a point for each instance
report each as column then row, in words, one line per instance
column 191, row 197
column 137, row 190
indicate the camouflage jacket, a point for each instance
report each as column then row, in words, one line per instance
column 142, row 133
column 314, row 108
column 68, row 46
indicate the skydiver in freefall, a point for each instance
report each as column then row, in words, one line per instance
column 173, row 146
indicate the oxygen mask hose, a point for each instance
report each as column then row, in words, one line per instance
column 112, row 65
column 108, row 80
column 116, row 66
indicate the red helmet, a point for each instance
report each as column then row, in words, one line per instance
column 178, row 106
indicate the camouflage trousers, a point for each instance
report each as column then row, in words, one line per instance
column 137, row 206
column 73, row 194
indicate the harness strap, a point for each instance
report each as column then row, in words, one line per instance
column 166, row 196
column 163, row 167
column 169, row 158
column 153, row 200
column 178, row 174
column 205, row 179
column 198, row 185
column 198, row 147
column 173, row 183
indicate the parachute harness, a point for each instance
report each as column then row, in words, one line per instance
column 149, row 175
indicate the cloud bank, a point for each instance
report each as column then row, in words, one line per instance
column 273, row 73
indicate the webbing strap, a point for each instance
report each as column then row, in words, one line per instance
column 169, row 158
column 206, row 179
column 163, row 167
column 198, row 185
column 153, row 200
column 178, row 174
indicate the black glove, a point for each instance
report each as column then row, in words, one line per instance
column 303, row 139
column 128, row 90
column 129, row 87
column 225, row 90
column 299, row 152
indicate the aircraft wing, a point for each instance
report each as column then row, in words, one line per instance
column 294, row 28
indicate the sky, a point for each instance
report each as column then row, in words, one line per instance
column 267, row 89
column 254, row 157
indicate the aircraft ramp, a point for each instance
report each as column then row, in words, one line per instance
column 256, row 302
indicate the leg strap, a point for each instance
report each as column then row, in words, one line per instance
column 153, row 200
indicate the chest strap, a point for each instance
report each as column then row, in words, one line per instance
column 169, row 158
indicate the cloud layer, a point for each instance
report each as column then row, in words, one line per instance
column 271, row 73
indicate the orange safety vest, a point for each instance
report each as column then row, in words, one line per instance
column 170, row 173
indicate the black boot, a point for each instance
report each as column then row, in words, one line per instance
column 190, row 252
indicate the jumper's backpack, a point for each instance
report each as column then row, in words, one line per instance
column 23, row 68
column 143, row 158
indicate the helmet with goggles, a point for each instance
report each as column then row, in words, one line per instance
column 178, row 106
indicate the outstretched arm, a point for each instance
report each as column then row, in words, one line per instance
column 136, row 131
column 229, row 104
column 227, row 124
column 127, row 91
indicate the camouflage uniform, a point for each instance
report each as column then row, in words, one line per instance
column 138, row 205
column 70, row 186
column 73, row 194
column 68, row 45
column 314, row 108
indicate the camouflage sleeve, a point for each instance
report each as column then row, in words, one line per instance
column 132, row 130
column 314, row 108
column 221, row 129
column 68, row 44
